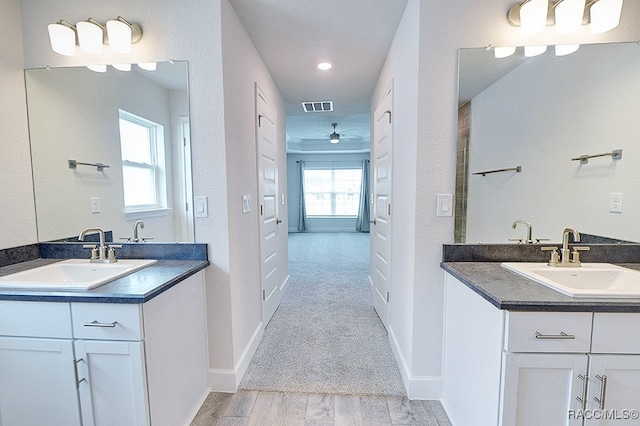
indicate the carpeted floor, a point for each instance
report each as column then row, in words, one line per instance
column 326, row 337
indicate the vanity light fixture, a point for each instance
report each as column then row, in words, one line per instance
column 532, row 15
column 122, row 34
column 122, row 67
column 604, row 15
column 567, row 15
column 148, row 66
column 566, row 49
column 531, row 51
column 63, row 38
column 97, row 68
column 91, row 35
column 503, row 51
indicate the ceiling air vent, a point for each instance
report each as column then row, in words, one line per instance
column 321, row 106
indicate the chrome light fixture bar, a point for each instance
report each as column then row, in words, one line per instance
column 91, row 36
column 566, row 15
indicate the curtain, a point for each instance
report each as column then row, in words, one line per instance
column 362, row 224
column 302, row 215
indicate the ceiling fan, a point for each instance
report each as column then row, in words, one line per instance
column 334, row 137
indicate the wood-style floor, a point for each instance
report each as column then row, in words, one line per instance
column 279, row 408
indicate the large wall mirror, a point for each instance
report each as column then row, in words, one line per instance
column 539, row 114
column 110, row 149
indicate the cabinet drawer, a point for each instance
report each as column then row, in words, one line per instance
column 616, row 333
column 548, row 332
column 107, row 321
column 35, row 319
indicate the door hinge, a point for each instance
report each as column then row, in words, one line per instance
column 259, row 118
column 264, row 295
column 184, row 142
column 389, row 209
column 388, row 112
column 261, row 213
column 387, row 297
column 186, row 206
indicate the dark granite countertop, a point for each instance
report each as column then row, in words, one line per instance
column 509, row 291
column 138, row 287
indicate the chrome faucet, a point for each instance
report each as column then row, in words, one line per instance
column 529, row 239
column 135, row 230
column 101, row 253
column 566, row 257
column 565, row 253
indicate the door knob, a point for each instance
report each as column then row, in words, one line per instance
column 373, row 221
column 278, row 221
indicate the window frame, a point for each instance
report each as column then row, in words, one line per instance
column 155, row 133
column 333, row 193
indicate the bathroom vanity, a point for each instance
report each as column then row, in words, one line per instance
column 130, row 352
column 519, row 353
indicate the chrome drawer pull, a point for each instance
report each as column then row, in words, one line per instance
column 561, row 336
column 583, row 398
column 95, row 323
column 603, row 391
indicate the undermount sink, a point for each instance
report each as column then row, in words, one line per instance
column 73, row 274
column 588, row 280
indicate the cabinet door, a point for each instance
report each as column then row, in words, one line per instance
column 614, row 390
column 37, row 382
column 541, row 389
column 113, row 389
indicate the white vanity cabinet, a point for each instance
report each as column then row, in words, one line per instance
column 37, row 374
column 104, row 364
column 538, row 368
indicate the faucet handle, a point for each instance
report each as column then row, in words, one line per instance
column 112, row 252
column 94, row 250
column 575, row 254
column 555, row 258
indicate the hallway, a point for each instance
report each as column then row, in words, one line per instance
column 325, row 357
column 325, row 337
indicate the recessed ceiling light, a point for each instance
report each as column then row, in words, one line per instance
column 324, row 66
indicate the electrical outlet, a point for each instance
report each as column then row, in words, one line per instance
column 95, row 204
column 615, row 202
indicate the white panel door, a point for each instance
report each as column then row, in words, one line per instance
column 112, row 383
column 380, row 266
column 267, row 149
column 542, row 389
column 37, row 382
column 614, row 390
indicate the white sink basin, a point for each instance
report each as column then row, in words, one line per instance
column 73, row 274
column 588, row 280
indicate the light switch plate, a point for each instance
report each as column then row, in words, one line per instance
column 445, row 205
column 246, row 203
column 201, row 206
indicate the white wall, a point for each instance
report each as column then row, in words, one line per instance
column 587, row 104
column 333, row 224
column 18, row 220
column 92, row 134
column 444, row 27
column 401, row 70
column 243, row 68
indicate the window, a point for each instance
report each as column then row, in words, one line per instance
column 142, row 163
column 332, row 192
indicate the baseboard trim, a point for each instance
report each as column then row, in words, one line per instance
column 227, row 380
column 417, row 387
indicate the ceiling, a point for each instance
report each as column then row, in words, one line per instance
column 293, row 36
